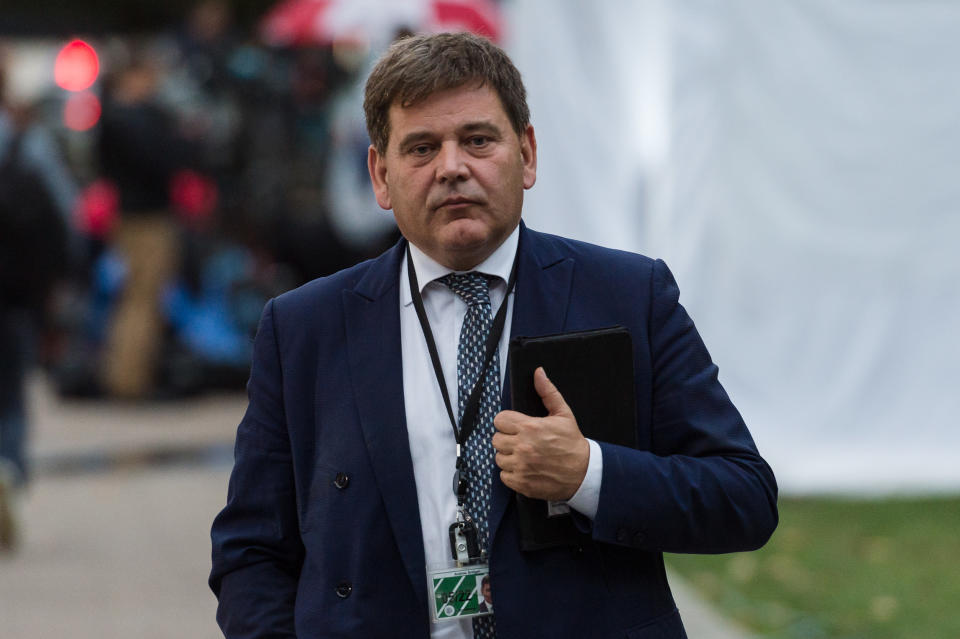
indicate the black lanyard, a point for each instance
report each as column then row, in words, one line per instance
column 468, row 421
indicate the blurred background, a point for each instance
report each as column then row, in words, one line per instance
column 167, row 168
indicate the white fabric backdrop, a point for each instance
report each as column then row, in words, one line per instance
column 798, row 167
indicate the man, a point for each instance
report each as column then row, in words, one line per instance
column 36, row 196
column 340, row 503
column 140, row 152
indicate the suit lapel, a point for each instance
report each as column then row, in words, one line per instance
column 544, row 277
column 372, row 316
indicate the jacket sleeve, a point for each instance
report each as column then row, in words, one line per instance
column 702, row 487
column 257, row 551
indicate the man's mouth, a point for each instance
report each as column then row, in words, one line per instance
column 454, row 202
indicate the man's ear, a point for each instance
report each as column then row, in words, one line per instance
column 528, row 152
column 377, row 166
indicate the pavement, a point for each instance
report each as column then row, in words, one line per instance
column 116, row 522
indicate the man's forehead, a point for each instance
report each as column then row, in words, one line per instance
column 479, row 106
column 412, row 98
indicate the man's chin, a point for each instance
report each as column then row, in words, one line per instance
column 464, row 251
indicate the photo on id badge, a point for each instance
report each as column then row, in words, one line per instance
column 462, row 591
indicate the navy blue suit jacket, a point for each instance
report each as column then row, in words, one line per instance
column 321, row 533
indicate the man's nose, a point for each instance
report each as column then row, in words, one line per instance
column 451, row 163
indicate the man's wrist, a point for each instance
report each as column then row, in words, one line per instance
column 587, row 498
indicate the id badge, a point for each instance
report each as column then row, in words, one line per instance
column 458, row 592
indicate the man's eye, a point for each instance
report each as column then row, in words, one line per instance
column 420, row 149
column 479, row 140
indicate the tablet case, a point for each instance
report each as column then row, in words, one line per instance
column 593, row 370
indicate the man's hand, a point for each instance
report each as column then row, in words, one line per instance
column 542, row 457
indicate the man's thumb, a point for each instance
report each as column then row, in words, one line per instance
column 552, row 399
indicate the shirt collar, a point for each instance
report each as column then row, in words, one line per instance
column 498, row 264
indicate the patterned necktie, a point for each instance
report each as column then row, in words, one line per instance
column 473, row 288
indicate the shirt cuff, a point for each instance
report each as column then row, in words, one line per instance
column 587, row 497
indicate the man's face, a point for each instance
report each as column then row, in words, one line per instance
column 485, row 591
column 454, row 173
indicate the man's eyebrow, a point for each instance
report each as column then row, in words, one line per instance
column 481, row 125
column 413, row 137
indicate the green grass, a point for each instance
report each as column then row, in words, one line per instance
column 843, row 569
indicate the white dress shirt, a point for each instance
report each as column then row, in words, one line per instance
column 432, row 443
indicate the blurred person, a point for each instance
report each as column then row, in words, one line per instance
column 340, row 500
column 140, row 151
column 207, row 42
column 35, row 201
column 200, row 85
column 354, row 214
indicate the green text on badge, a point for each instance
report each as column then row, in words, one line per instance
column 456, row 593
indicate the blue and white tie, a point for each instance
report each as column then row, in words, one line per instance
column 474, row 289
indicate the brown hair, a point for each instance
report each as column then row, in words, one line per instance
column 415, row 68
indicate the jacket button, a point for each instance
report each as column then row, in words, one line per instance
column 344, row 589
column 341, row 481
column 638, row 538
column 622, row 535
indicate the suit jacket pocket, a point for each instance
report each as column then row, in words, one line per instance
column 666, row 626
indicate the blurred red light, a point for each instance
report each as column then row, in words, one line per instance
column 81, row 111
column 194, row 196
column 77, row 66
column 97, row 208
